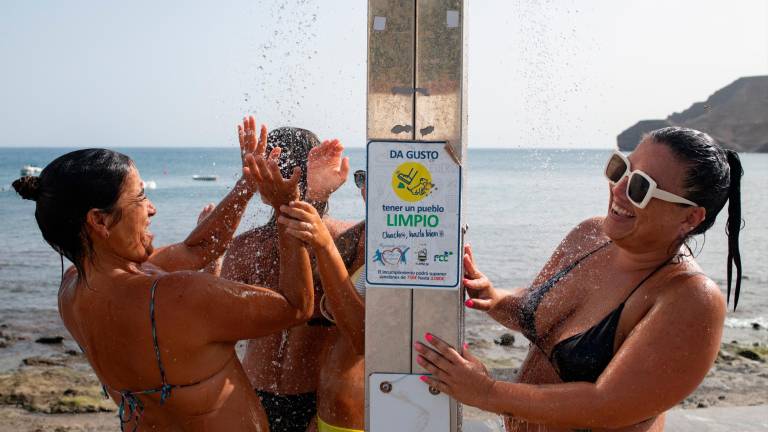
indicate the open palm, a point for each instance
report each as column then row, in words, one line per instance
column 327, row 170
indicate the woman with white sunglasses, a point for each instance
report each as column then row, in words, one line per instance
column 622, row 321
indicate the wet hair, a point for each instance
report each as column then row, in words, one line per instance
column 295, row 144
column 67, row 189
column 712, row 178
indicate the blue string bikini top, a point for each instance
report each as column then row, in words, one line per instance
column 584, row 356
column 130, row 407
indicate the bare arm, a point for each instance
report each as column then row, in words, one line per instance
column 302, row 221
column 257, row 311
column 503, row 306
column 665, row 358
column 296, row 273
column 211, row 237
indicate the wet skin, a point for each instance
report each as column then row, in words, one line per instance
column 341, row 391
column 199, row 317
column 667, row 338
column 287, row 362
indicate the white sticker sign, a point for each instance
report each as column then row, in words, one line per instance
column 413, row 216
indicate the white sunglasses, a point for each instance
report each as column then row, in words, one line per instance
column 640, row 186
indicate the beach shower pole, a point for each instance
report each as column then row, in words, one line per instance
column 416, row 132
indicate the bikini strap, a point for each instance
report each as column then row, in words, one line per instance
column 129, row 408
column 662, row 265
column 559, row 275
column 165, row 388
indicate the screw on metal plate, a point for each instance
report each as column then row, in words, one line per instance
column 385, row 387
column 434, row 391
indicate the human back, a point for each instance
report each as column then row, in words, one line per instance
column 285, row 362
column 159, row 334
column 121, row 350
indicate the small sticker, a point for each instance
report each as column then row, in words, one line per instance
column 380, row 23
column 452, row 18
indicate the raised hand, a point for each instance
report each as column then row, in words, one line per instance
column 265, row 173
column 249, row 144
column 326, row 170
column 302, row 221
column 482, row 294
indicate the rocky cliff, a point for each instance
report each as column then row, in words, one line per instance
column 736, row 116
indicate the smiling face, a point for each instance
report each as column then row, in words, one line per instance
column 660, row 223
column 129, row 237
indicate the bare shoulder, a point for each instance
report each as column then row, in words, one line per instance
column 236, row 266
column 189, row 289
column 694, row 294
column 589, row 229
column 584, row 237
column 185, row 281
column 247, row 239
column 336, row 227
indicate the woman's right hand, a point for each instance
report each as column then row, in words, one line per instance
column 274, row 189
column 302, row 221
column 482, row 295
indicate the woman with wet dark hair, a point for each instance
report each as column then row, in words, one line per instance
column 284, row 367
column 159, row 334
column 622, row 321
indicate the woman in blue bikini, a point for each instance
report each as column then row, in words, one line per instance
column 622, row 321
column 159, row 334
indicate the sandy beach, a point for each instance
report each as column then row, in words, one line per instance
column 47, row 385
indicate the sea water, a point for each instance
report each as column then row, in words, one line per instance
column 519, row 203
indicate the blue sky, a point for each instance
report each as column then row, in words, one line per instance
column 542, row 73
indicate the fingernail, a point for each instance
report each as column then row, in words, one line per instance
column 420, row 360
column 469, row 303
column 466, row 346
column 417, row 345
column 428, row 337
column 423, row 378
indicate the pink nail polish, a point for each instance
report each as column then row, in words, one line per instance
column 466, row 346
column 423, row 378
column 469, row 303
column 416, row 345
column 428, row 337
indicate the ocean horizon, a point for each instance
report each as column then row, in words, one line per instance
column 519, row 204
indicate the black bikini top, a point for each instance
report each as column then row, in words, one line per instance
column 584, row 356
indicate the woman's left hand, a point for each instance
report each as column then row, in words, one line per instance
column 465, row 378
column 249, row 145
column 303, row 222
column 326, row 170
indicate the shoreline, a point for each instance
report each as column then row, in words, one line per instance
column 47, row 384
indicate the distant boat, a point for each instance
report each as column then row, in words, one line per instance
column 29, row 170
column 205, row 177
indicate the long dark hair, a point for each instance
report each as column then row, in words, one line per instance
column 67, row 189
column 295, row 144
column 712, row 178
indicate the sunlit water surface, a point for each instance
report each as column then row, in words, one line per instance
column 519, row 205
